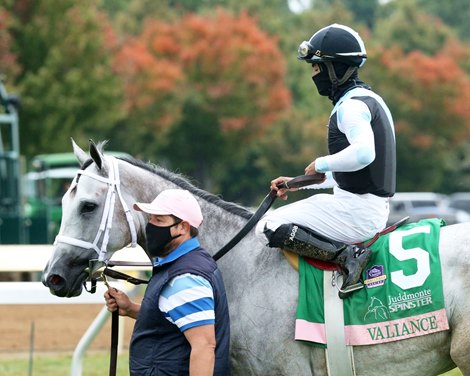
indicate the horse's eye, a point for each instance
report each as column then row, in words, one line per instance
column 87, row 207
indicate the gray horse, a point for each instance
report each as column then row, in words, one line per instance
column 261, row 286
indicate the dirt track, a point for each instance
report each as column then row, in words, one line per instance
column 57, row 327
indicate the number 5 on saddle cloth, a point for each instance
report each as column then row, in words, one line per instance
column 350, row 259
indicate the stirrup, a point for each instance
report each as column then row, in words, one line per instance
column 338, row 282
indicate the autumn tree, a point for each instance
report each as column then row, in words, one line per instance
column 429, row 99
column 201, row 88
column 68, row 88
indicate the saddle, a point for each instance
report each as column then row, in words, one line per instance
column 293, row 258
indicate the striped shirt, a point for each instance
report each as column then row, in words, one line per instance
column 187, row 301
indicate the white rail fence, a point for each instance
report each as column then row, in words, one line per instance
column 33, row 258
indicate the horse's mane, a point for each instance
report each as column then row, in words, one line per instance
column 184, row 183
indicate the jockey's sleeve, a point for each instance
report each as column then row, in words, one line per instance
column 354, row 120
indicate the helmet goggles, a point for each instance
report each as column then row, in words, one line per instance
column 306, row 52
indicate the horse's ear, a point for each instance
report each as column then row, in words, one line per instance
column 79, row 153
column 96, row 155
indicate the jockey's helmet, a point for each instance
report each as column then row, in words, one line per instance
column 334, row 43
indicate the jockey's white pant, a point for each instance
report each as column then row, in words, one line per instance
column 342, row 216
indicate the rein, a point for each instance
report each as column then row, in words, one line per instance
column 297, row 182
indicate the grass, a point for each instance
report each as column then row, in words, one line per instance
column 94, row 364
column 454, row 372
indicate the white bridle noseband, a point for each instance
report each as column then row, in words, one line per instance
column 114, row 188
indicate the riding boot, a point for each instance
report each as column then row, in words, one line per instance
column 305, row 242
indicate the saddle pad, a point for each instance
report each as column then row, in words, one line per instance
column 402, row 297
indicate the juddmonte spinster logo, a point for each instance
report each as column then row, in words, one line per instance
column 406, row 301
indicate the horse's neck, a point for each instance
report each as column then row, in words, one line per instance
column 219, row 225
column 146, row 185
column 142, row 186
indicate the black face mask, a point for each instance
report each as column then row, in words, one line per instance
column 322, row 82
column 158, row 238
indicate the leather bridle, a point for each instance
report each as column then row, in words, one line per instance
column 114, row 189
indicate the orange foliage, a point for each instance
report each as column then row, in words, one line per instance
column 426, row 70
column 144, row 85
column 234, row 69
column 110, row 39
column 422, row 141
column 233, row 124
column 432, row 84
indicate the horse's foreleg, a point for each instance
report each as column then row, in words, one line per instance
column 460, row 347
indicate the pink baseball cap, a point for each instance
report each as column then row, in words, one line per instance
column 178, row 202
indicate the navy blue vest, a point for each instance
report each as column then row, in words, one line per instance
column 157, row 346
column 378, row 178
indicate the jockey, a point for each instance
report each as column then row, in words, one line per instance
column 360, row 167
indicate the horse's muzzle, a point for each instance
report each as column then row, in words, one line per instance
column 59, row 286
column 55, row 283
column 65, row 273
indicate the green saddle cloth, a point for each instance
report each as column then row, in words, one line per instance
column 403, row 294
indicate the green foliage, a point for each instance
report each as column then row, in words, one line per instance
column 405, row 25
column 456, row 171
column 286, row 149
column 251, row 6
column 129, row 16
column 67, row 84
column 362, row 11
column 455, row 14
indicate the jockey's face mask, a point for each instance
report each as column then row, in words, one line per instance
column 316, row 69
column 321, row 79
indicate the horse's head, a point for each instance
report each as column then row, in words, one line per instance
column 91, row 228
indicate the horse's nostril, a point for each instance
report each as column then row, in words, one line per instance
column 57, row 285
column 56, row 280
